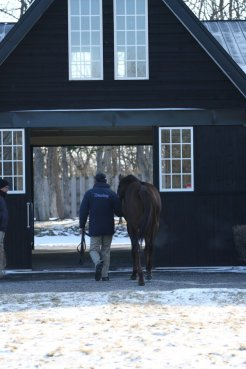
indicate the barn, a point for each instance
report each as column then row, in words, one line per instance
column 125, row 72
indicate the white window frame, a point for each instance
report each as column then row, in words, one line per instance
column 126, row 46
column 84, row 62
column 162, row 175
column 8, row 156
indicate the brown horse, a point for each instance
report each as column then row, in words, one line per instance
column 141, row 206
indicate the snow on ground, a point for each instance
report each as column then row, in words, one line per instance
column 59, row 234
column 186, row 329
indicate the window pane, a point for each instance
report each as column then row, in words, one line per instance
column 95, row 7
column 176, row 135
column 140, row 22
column 187, row 183
column 186, row 166
column 95, row 23
column 75, row 38
column 176, row 151
column 131, row 68
column 7, row 137
column 130, row 38
column 165, row 135
column 166, row 182
column 130, row 22
column 75, row 24
column 95, row 38
column 130, row 7
column 74, row 6
column 176, row 181
column 176, row 166
column 131, row 53
column 85, row 23
column 141, row 53
column 85, row 7
column 141, row 38
column 141, row 72
column 120, row 23
column 17, row 153
column 140, row 5
column 7, row 153
column 7, row 168
column 186, row 138
column 121, row 38
column 120, row 7
column 186, row 151
column 166, row 166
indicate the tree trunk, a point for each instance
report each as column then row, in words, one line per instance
column 40, row 204
column 56, row 206
column 65, row 183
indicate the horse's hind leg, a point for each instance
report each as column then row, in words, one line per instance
column 134, row 274
column 137, row 269
column 148, row 259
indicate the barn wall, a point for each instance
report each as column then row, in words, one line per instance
column 197, row 228
column 181, row 73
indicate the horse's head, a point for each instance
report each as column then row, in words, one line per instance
column 124, row 183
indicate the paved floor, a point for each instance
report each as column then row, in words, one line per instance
column 83, row 281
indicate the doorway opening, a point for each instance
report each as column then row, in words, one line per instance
column 61, row 176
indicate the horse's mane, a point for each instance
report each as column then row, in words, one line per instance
column 129, row 179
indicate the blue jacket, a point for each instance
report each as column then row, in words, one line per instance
column 3, row 212
column 99, row 204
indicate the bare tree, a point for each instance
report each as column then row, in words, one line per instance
column 14, row 9
column 53, row 171
column 218, row 9
column 41, row 210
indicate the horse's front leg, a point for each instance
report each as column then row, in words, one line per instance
column 137, row 269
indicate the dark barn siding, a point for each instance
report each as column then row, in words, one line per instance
column 181, row 73
column 196, row 228
column 17, row 243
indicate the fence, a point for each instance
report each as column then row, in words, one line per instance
column 77, row 188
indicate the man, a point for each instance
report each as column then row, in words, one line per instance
column 100, row 204
column 4, row 187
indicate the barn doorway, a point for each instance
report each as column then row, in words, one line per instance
column 61, row 176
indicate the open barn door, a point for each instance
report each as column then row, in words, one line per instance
column 15, row 168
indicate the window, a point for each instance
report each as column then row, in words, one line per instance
column 131, row 39
column 12, row 164
column 85, row 39
column 176, row 159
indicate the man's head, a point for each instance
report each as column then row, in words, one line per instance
column 4, row 185
column 100, row 177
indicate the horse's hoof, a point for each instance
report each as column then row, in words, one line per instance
column 148, row 277
column 133, row 277
column 141, row 283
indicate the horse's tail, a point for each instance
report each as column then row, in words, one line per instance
column 147, row 227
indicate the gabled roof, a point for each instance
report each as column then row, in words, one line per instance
column 208, row 43
column 232, row 36
column 22, row 27
column 194, row 26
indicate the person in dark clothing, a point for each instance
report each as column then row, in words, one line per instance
column 4, row 187
column 100, row 204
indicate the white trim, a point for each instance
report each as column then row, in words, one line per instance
column 110, row 109
column 23, row 161
column 188, row 189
